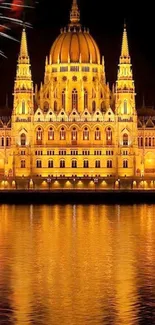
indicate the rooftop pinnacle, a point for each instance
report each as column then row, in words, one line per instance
column 74, row 14
column 125, row 48
column 23, row 46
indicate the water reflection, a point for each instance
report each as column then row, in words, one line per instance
column 77, row 265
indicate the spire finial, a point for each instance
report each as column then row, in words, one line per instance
column 74, row 14
column 125, row 48
column 23, row 46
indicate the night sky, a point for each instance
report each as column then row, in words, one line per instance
column 106, row 26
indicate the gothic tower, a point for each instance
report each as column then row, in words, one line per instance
column 23, row 109
column 126, row 112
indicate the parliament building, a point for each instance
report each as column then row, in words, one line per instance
column 74, row 128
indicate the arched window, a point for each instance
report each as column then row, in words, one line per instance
column 125, row 139
column 50, row 164
column 74, row 134
column 97, row 134
column 125, row 163
column 149, row 142
column 146, row 142
column 74, row 163
column 102, row 106
column 39, row 135
column 62, row 163
column 141, row 142
column 85, row 99
column 62, row 134
column 22, row 164
column 85, row 134
column 74, row 99
column 97, row 164
column 46, row 106
column 2, row 142
column 108, row 136
column 125, row 107
column 64, row 99
column 109, row 163
column 93, row 106
column 50, row 134
column 153, row 142
column 38, row 164
column 23, row 107
column 55, row 106
column 7, row 141
column 23, row 139
column 86, row 164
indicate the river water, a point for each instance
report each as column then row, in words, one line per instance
column 77, row 265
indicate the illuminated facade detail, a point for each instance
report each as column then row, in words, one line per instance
column 74, row 121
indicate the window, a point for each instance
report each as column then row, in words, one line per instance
column 74, row 163
column 149, row 142
column 39, row 164
column 109, row 153
column 108, row 136
column 39, row 135
column 97, row 152
column 86, row 134
column 85, row 69
column 64, row 99
column 62, row 163
column 23, row 107
column 74, row 99
column 86, row 152
column 125, row 107
column 55, row 106
column 86, row 164
column 63, row 69
column 74, row 68
column 74, row 134
column 50, row 164
column 54, row 69
column 50, row 152
column 109, row 163
column 125, row 139
column 22, row 152
column 153, row 142
column 125, row 163
column 74, row 152
column 22, row 165
column 95, row 70
column 7, row 141
column 38, row 153
column 23, row 139
column 50, row 134
column 97, row 134
column 93, row 106
column 62, row 134
column 62, row 152
column 97, row 164
column 85, row 99
column 2, row 142
column 146, row 142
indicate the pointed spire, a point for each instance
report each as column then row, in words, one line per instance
column 125, row 48
column 23, row 55
column 74, row 14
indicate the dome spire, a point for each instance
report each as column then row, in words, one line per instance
column 74, row 14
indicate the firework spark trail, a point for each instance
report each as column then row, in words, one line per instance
column 11, row 16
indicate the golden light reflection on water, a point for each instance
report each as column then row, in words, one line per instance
column 77, row 265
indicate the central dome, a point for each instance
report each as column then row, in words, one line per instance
column 74, row 45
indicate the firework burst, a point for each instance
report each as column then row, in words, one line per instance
column 11, row 13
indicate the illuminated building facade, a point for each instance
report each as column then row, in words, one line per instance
column 74, row 125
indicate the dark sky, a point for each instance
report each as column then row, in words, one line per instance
column 105, row 20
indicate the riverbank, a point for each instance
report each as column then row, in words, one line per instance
column 74, row 196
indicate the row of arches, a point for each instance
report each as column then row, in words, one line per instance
column 146, row 141
column 74, row 163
